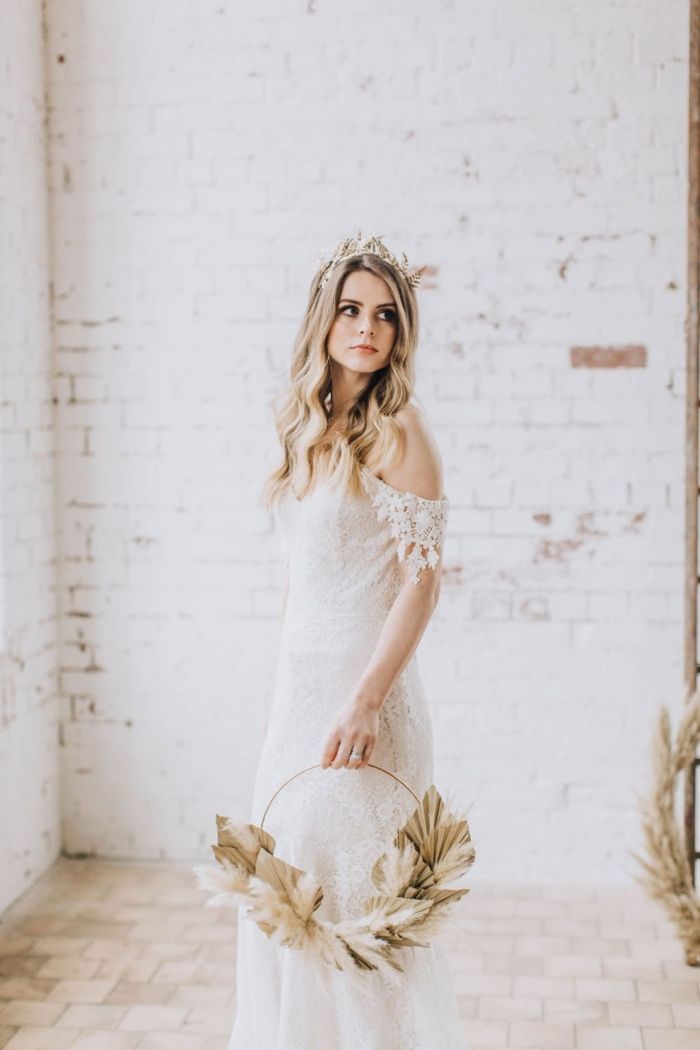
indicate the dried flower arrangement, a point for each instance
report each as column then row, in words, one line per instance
column 667, row 873
column 432, row 847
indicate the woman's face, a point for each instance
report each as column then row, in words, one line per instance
column 364, row 331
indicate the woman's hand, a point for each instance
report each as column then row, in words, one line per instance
column 356, row 726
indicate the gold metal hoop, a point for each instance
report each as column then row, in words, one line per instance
column 370, row 765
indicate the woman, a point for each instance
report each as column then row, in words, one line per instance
column 359, row 504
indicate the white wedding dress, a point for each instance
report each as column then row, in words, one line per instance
column 343, row 577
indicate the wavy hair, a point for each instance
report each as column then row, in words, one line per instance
column 309, row 448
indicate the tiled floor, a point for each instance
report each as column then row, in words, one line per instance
column 107, row 956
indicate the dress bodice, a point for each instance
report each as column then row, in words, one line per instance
column 343, row 554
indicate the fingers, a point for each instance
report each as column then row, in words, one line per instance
column 338, row 755
column 341, row 758
column 329, row 752
column 365, row 758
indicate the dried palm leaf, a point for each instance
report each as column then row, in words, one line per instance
column 240, row 843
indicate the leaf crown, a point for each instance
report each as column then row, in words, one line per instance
column 357, row 246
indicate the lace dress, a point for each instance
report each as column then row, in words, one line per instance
column 342, row 553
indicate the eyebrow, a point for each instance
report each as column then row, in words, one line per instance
column 358, row 303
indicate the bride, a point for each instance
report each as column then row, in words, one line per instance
column 361, row 515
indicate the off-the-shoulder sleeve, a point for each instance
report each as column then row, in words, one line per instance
column 417, row 524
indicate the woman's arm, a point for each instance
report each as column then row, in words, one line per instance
column 357, row 723
column 402, row 631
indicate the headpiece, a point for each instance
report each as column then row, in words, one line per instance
column 357, row 246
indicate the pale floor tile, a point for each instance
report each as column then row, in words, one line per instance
column 678, row 1039
column 470, row 963
column 95, row 1039
column 609, row 1039
column 610, row 988
column 485, row 984
column 509, row 1007
column 72, row 967
column 153, row 1018
column 41, row 1039
column 81, row 991
column 209, row 1021
column 574, row 1011
column 185, row 973
column 570, row 928
column 513, row 925
column 645, row 1015
column 514, row 964
column 18, row 966
column 570, row 965
column 91, row 1017
column 669, row 991
column 211, row 996
column 597, row 946
column 666, row 949
column 132, row 993
column 28, row 1012
column 677, row 970
column 544, row 987
column 58, row 947
column 686, row 1015
column 486, row 1033
column 637, row 969
column 540, row 1035
column 116, row 956
column 115, row 971
column 25, row 988
column 542, row 946
column 171, row 1041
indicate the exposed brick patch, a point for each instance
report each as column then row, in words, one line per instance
column 631, row 356
column 556, row 550
column 635, row 521
column 452, row 574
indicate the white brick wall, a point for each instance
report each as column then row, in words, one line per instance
column 29, row 788
column 534, row 154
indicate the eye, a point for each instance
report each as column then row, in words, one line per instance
column 386, row 315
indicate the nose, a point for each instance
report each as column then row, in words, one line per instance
column 366, row 324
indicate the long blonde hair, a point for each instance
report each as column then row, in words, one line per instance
column 309, row 449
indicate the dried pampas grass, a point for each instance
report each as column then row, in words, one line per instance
column 432, row 847
column 667, row 874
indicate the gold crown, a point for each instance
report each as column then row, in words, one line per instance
column 356, row 246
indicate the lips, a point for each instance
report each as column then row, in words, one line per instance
column 364, row 348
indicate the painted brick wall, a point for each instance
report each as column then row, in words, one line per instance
column 29, row 771
column 533, row 154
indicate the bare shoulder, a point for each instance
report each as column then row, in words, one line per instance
column 420, row 468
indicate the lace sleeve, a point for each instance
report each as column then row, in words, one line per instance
column 417, row 524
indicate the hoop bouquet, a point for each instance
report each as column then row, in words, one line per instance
column 412, row 900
